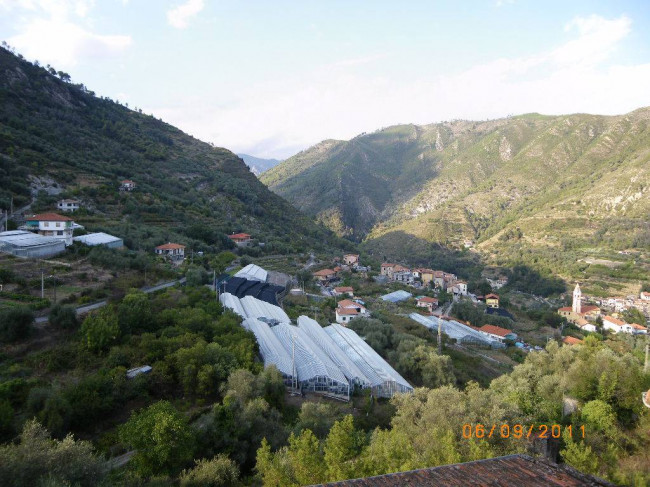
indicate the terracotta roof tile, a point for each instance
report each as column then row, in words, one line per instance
column 49, row 217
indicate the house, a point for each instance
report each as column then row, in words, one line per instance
column 127, row 185
column 612, row 324
column 498, row 333
column 584, row 325
column 348, row 310
column 172, row 250
column 240, row 239
column 492, row 300
column 637, row 329
column 427, row 302
column 425, row 275
column 339, row 291
column 51, row 225
column 460, row 287
column 404, row 276
column 571, row 341
column 387, row 269
column 351, row 259
column 68, row 205
column 644, row 296
column 325, row 275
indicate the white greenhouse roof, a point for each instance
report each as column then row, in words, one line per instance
column 369, row 361
column 250, row 307
column 396, row 296
column 454, row 329
column 99, row 238
column 256, row 308
column 310, row 360
column 272, row 351
column 232, row 303
column 22, row 238
column 253, row 272
column 318, row 335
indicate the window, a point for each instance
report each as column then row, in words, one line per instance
column 46, row 224
column 59, row 232
column 58, row 224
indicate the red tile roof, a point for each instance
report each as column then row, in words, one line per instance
column 345, row 303
column 344, row 289
column 49, row 217
column 507, row 471
column 613, row 320
column 636, row 326
column 239, row 236
column 347, row 311
column 324, row 272
column 566, row 308
column 571, row 340
column 588, row 309
column 386, row 264
column 170, row 246
column 491, row 296
column 427, row 299
column 495, row 330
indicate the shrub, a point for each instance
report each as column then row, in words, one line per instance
column 16, row 324
column 64, row 317
column 218, row 472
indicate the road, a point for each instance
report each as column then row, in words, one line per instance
column 87, row 308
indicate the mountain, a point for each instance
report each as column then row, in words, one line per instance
column 520, row 188
column 259, row 165
column 59, row 136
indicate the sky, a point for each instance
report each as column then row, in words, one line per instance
column 271, row 78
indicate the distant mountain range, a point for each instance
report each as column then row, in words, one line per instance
column 187, row 191
column 259, row 165
column 519, row 188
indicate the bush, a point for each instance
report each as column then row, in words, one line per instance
column 218, row 472
column 16, row 324
column 100, row 329
column 64, row 317
column 38, row 458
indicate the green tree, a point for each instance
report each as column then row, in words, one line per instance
column 220, row 471
column 341, row 448
column 37, row 457
column 100, row 329
column 64, row 317
column 633, row 315
column 306, row 458
column 162, row 437
column 134, row 313
column 16, row 324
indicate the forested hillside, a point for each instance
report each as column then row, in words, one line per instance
column 82, row 145
column 517, row 188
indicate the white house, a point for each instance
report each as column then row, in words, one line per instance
column 127, row 185
column 348, row 310
column 613, row 324
column 51, row 225
column 427, row 302
column 172, row 250
column 68, row 205
column 498, row 333
column 459, row 287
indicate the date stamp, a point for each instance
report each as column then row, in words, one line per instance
column 519, row 431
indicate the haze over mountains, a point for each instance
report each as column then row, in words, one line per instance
column 518, row 189
column 257, row 164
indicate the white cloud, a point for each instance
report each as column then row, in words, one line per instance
column 279, row 118
column 181, row 15
column 55, row 32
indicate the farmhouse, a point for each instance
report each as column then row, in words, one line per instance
column 68, row 205
column 127, row 185
column 240, row 239
column 325, row 275
column 339, row 291
column 492, row 300
column 173, row 251
column 347, row 310
column 51, row 225
column 498, row 333
column 426, row 302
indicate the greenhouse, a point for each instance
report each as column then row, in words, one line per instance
column 314, row 369
column 253, row 272
column 385, row 380
column 457, row 331
column 272, row 351
column 250, row 307
column 317, row 334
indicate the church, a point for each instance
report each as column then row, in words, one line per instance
column 579, row 314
